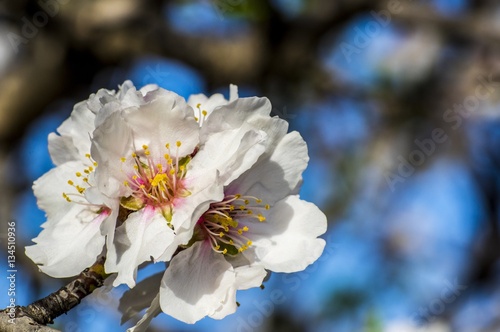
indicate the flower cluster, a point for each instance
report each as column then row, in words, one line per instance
column 208, row 185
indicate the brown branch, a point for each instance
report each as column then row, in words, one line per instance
column 35, row 316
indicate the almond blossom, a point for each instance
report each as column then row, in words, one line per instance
column 209, row 185
column 149, row 162
column 260, row 224
column 127, row 174
column 78, row 217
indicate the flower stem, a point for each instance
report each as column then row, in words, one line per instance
column 45, row 310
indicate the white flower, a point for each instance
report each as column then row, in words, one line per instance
column 148, row 162
column 78, row 217
column 260, row 224
column 127, row 174
column 213, row 187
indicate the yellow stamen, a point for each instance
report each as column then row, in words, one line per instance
column 160, row 177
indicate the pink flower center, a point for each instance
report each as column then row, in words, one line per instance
column 154, row 181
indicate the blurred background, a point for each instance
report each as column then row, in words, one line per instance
column 398, row 100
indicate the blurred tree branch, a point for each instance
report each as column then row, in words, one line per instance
column 277, row 53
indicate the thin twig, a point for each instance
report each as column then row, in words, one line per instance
column 37, row 315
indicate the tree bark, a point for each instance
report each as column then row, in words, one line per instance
column 37, row 315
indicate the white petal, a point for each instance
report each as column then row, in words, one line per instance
column 196, row 99
column 148, row 88
column 235, row 114
column 278, row 174
column 151, row 313
column 62, row 149
column 49, row 188
column 66, row 248
column 144, row 235
column 275, row 128
column 196, row 283
column 112, row 141
column 94, row 103
column 105, row 96
column 233, row 92
column 140, row 297
column 228, row 306
column 131, row 97
column 108, row 109
column 79, row 127
column 247, row 276
column 76, row 131
column 250, row 276
column 232, row 152
column 287, row 241
column 167, row 119
column 237, row 134
column 94, row 196
column 205, row 104
column 181, row 238
column 72, row 238
column 106, row 102
column 205, row 189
